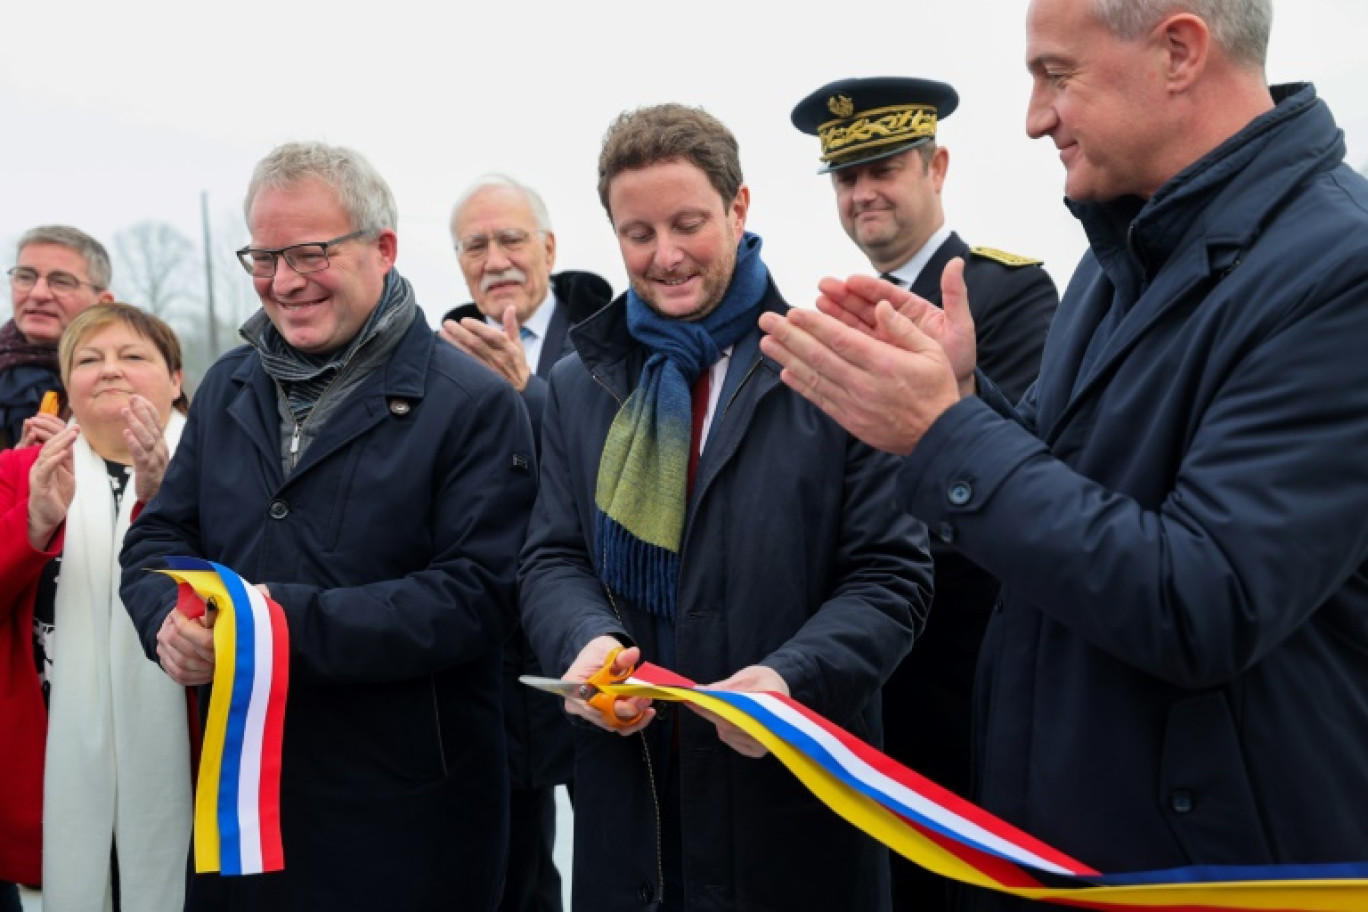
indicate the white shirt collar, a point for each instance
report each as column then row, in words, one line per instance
column 909, row 272
column 540, row 321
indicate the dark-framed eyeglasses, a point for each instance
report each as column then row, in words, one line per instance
column 512, row 240
column 24, row 278
column 260, row 262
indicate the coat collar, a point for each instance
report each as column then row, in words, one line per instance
column 400, row 382
column 614, row 358
column 1157, row 254
column 929, row 279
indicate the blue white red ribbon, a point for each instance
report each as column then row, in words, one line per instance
column 946, row 834
column 237, row 799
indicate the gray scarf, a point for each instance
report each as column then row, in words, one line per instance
column 311, row 387
column 304, row 377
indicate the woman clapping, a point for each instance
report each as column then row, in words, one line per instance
column 96, row 768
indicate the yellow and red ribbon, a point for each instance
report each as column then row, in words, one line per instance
column 946, row 834
column 237, row 799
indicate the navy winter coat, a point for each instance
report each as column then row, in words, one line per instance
column 794, row 556
column 392, row 549
column 1177, row 673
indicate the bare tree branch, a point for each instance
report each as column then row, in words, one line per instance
column 155, row 263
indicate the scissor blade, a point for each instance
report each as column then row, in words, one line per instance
column 573, row 690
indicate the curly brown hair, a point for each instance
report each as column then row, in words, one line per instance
column 670, row 132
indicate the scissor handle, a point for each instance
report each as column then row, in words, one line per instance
column 603, row 702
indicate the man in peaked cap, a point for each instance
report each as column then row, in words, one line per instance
column 879, row 145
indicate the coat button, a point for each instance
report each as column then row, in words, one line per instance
column 279, row 509
column 959, row 494
column 644, row 892
column 399, row 407
column 945, row 532
column 1181, row 801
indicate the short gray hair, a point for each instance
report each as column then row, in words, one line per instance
column 363, row 193
column 533, row 198
column 96, row 257
column 1239, row 27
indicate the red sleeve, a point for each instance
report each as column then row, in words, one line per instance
column 20, row 563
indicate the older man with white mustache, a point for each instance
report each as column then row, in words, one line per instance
column 518, row 321
column 518, row 327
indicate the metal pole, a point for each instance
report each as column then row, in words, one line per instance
column 209, row 277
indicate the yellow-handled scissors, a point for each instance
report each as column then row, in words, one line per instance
column 591, row 691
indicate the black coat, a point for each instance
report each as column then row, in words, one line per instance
column 21, row 392
column 792, row 557
column 540, row 748
column 391, row 548
column 1176, row 675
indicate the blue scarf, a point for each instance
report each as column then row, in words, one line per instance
column 642, row 495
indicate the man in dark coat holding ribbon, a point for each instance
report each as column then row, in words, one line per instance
column 733, row 534
column 375, row 482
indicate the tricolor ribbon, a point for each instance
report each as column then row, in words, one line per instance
column 237, row 799
column 946, row 834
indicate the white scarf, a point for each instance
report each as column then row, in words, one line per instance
column 118, row 744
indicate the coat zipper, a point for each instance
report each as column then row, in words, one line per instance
column 437, row 717
column 609, row 390
column 742, row 385
column 645, row 745
column 651, row 780
column 299, row 425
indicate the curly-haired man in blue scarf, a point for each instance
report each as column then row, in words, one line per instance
column 700, row 515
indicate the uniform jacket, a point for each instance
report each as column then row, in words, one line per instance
column 1176, row 674
column 1012, row 307
column 539, row 743
column 793, row 556
column 391, row 548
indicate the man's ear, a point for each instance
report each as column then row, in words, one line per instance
column 939, row 165
column 550, row 251
column 1186, row 44
column 388, row 242
column 739, row 207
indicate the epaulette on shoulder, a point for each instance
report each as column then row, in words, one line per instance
column 1010, row 260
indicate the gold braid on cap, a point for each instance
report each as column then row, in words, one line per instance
column 875, row 129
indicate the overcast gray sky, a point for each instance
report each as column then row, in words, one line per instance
column 120, row 112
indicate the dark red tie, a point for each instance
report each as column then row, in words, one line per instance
column 701, row 388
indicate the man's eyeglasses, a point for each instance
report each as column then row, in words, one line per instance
column 260, row 263
column 24, row 278
column 512, row 240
